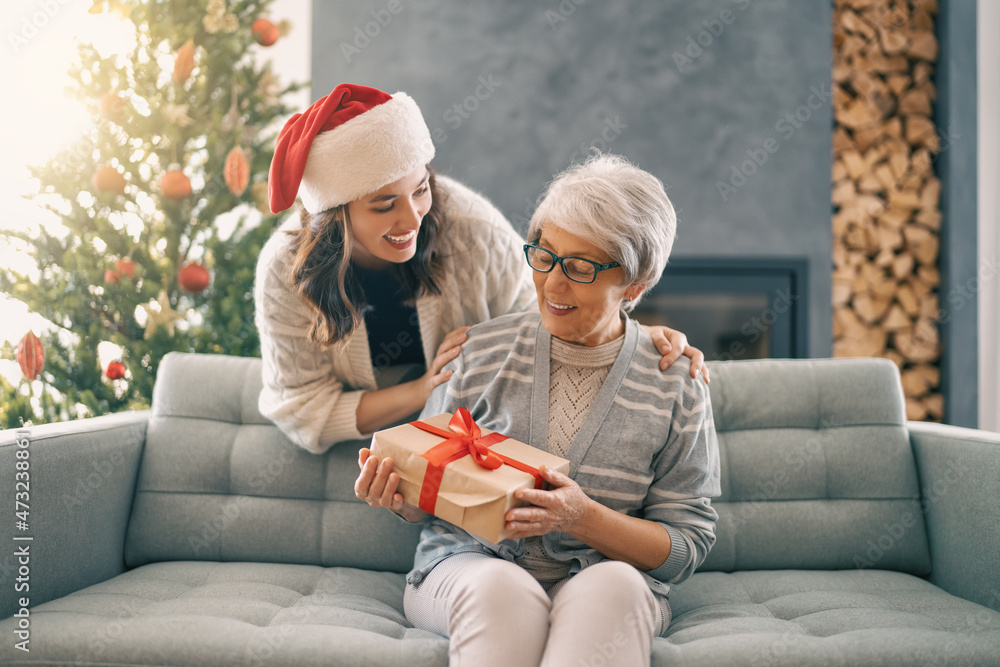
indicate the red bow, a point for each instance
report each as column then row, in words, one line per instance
column 464, row 439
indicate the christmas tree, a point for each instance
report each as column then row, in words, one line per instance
column 164, row 206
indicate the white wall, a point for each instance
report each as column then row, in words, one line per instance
column 989, row 214
column 292, row 55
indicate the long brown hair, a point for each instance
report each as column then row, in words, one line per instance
column 323, row 274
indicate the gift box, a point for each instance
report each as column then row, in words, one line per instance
column 467, row 475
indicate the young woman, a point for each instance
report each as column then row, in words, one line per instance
column 366, row 294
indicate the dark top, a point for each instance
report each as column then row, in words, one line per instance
column 393, row 328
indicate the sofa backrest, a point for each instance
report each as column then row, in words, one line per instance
column 817, row 467
column 817, row 473
column 218, row 481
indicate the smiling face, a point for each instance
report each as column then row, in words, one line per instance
column 384, row 224
column 587, row 314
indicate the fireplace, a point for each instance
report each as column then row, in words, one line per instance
column 734, row 308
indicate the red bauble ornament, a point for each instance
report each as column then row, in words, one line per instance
column 115, row 370
column 175, row 185
column 237, row 171
column 265, row 32
column 193, row 277
column 184, row 62
column 126, row 267
column 30, row 356
column 112, row 277
column 108, row 179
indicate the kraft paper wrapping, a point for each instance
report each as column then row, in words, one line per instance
column 471, row 497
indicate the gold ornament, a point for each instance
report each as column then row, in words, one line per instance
column 162, row 315
column 269, row 87
column 123, row 10
column 217, row 19
column 177, row 114
column 232, row 117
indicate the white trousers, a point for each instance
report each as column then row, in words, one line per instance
column 496, row 613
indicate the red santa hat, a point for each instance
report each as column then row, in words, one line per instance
column 346, row 145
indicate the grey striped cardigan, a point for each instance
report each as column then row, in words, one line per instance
column 647, row 447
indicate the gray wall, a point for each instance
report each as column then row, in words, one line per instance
column 957, row 166
column 684, row 89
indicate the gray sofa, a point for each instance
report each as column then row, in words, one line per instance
column 197, row 534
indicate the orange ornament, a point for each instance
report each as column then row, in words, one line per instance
column 112, row 277
column 175, row 185
column 108, row 179
column 193, row 277
column 115, row 370
column 112, row 107
column 237, row 171
column 30, row 356
column 184, row 62
column 265, row 32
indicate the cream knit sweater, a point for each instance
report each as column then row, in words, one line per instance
column 312, row 394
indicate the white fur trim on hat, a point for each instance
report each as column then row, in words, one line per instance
column 365, row 154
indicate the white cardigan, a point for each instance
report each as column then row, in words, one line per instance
column 311, row 394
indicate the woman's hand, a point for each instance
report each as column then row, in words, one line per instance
column 377, row 484
column 447, row 351
column 561, row 508
column 378, row 409
column 672, row 344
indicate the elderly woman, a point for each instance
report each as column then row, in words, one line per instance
column 585, row 575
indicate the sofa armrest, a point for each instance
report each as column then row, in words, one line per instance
column 959, row 472
column 81, row 482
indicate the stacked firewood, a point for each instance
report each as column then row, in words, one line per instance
column 887, row 219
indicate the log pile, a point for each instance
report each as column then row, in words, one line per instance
column 886, row 217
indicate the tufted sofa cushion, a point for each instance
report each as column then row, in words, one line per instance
column 218, row 481
column 852, row 617
column 205, row 614
column 817, row 468
column 817, row 473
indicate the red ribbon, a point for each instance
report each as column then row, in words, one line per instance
column 465, row 438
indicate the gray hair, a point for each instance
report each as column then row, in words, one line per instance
column 617, row 206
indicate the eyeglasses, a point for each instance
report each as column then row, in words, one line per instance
column 577, row 269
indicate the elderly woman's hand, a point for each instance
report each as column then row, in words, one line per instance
column 561, row 508
column 672, row 344
column 377, row 483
